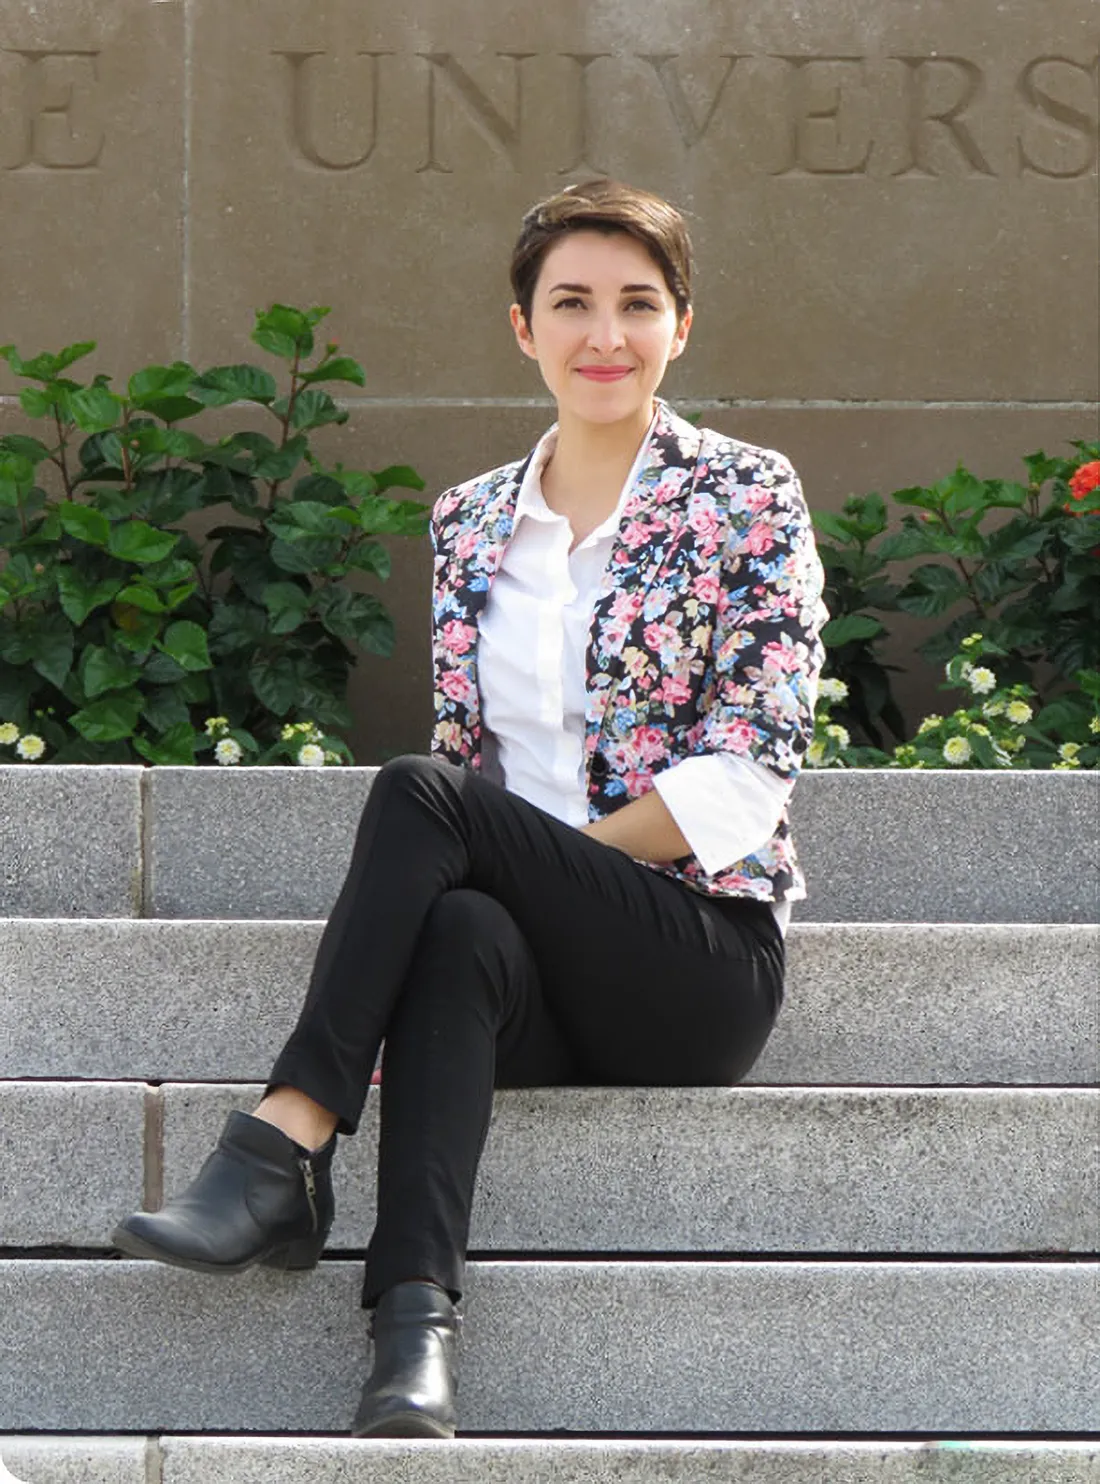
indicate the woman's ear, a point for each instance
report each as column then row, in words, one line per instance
column 522, row 332
column 683, row 329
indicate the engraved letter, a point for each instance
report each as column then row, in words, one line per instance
column 64, row 125
column 1063, row 145
column 823, row 140
column 582, row 164
column 922, row 113
column 691, row 131
column 306, row 89
column 480, row 108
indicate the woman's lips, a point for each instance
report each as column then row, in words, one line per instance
column 604, row 373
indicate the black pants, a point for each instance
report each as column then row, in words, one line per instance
column 491, row 945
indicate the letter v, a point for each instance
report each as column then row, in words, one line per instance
column 690, row 130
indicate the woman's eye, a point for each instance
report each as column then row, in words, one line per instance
column 643, row 304
column 571, row 303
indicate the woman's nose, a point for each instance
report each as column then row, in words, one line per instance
column 605, row 333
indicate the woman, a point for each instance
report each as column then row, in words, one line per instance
column 588, row 881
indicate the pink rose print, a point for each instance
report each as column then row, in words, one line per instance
column 458, row 636
column 456, row 686
column 760, row 539
column 706, row 587
column 739, row 736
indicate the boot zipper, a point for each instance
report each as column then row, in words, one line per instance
column 311, row 1189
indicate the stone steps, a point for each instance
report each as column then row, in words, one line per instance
column 878, row 1003
column 889, row 1233
column 270, row 1460
column 274, row 842
column 668, row 1346
column 726, row 1170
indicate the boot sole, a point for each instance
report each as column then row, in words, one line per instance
column 296, row 1257
column 404, row 1425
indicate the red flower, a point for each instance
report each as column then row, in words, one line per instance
column 1085, row 480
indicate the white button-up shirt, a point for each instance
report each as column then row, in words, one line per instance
column 532, row 647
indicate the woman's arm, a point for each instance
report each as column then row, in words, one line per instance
column 643, row 829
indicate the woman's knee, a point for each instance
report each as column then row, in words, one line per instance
column 462, row 918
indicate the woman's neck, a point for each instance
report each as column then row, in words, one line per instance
column 591, row 461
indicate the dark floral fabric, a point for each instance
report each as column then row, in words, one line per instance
column 705, row 638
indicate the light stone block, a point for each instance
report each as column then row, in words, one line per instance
column 262, row 842
column 901, row 210
column 876, row 845
column 866, row 1003
column 931, row 846
column 70, row 841
column 535, row 1461
column 740, row 1170
column 892, row 1347
column 58, row 1460
column 71, row 1161
column 92, row 160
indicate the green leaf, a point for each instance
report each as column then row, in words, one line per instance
column 357, row 618
column 304, row 554
column 833, row 526
column 101, row 451
column 165, row 391
column 16, row 479
column 278, row 681
column 25, row 448
column 36, row 403
column 237, row 628
column 174, row 749
column 141, row 595
column 84, row 523
column 81, row 596
column 163, row 707
column 849, row 627
column 312, row 409
column 285, row 331
column 109, row 719
column 397, row 476
column 1016, row 541
column 341, row 368
column 136, row 541
column 281, row 462
column 371, row 557
column 94, row 409
column 186, row 643
column 46, row 366
column 293, row 519
column 222, row 385
column 162, row 669
column 105, row 670
column 288, row 606
column 930, row 591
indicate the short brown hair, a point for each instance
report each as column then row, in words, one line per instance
column 604, row 206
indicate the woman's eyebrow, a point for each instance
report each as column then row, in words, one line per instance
column 585, row 288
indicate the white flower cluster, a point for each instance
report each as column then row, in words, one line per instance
column 28, row 745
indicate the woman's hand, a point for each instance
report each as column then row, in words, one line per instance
column 644, row 829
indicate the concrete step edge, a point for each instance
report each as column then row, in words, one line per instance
column 744, row 1169
column 216, row 1459
column 865, row 1003
column 817, row 1347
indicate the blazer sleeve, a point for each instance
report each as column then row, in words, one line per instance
column 769, row 614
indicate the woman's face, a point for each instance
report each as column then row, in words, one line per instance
column 603, row 327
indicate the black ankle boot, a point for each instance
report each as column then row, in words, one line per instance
column 410, row 1391
column 260, row 1197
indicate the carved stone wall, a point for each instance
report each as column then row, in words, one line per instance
column 894, row 204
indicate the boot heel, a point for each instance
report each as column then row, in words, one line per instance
column 298, row 1256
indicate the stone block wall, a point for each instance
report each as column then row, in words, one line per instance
column 894, row 207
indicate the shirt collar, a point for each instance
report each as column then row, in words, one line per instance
column 530, row 502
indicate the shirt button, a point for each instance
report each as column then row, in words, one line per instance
column 599, row 767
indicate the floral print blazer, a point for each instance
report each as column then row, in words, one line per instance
column 705, row 637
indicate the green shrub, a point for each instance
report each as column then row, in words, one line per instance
column 121, row 634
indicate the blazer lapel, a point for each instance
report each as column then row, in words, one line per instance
column 653, row 520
